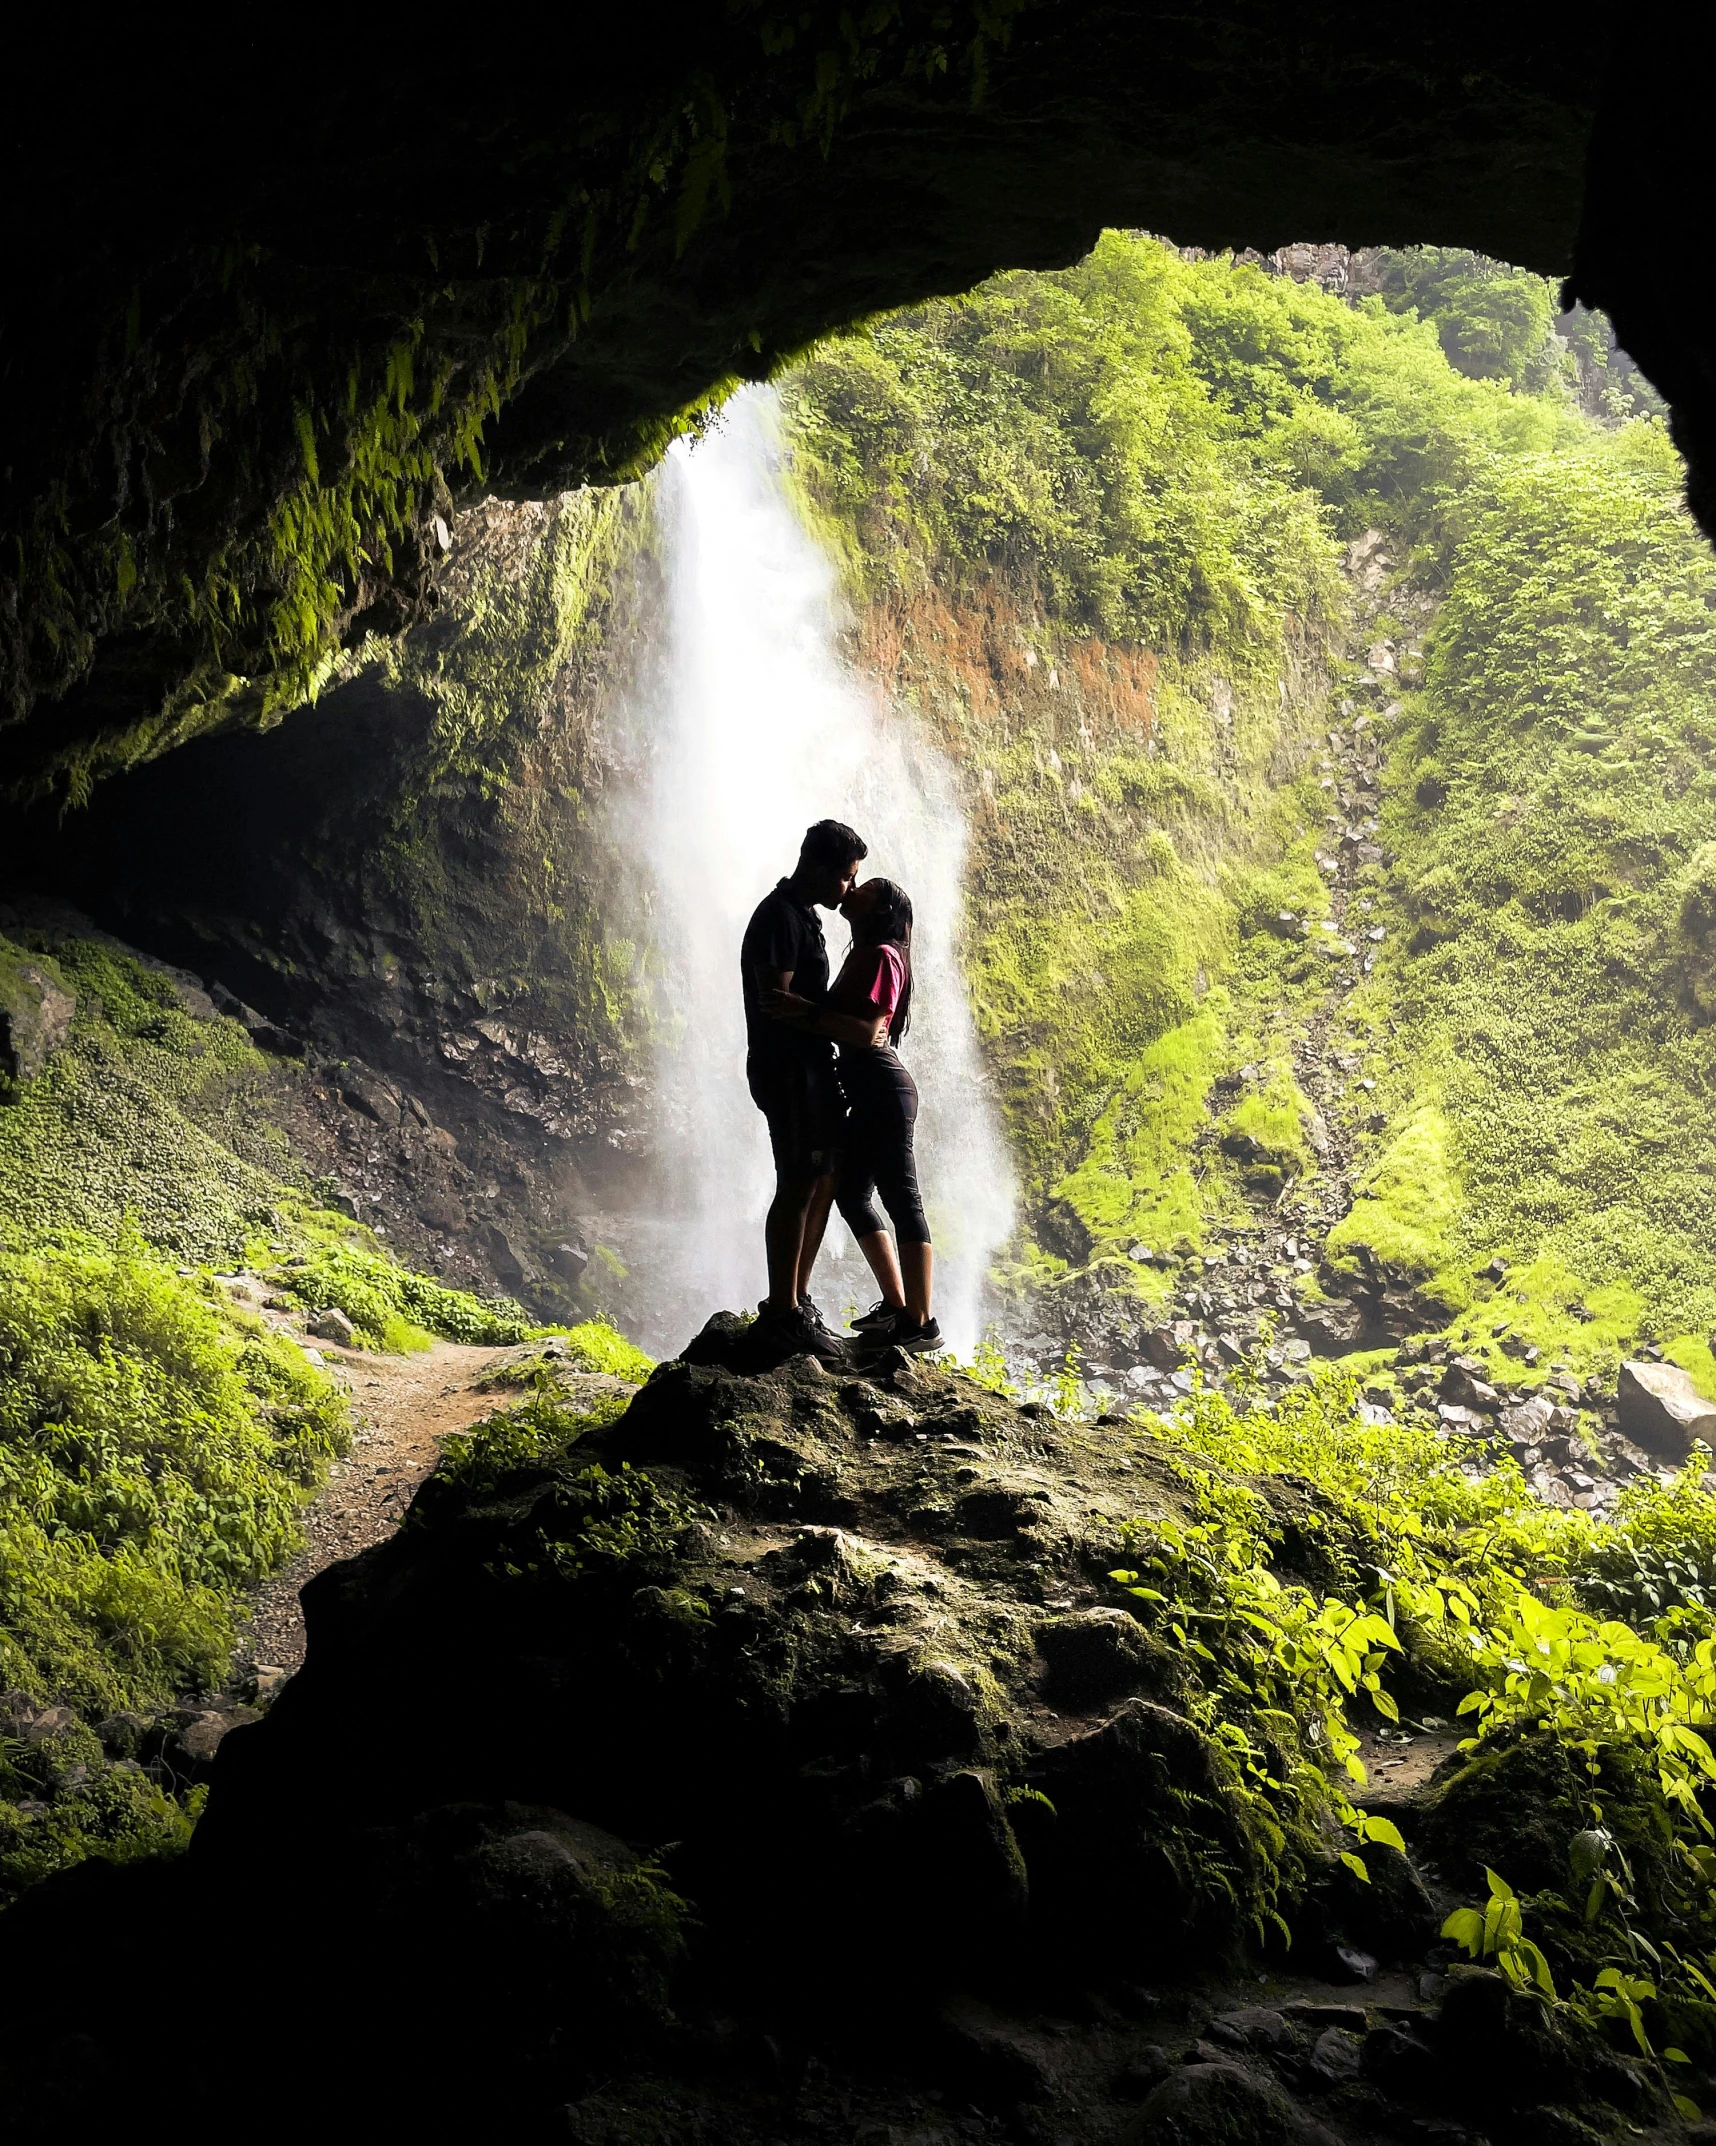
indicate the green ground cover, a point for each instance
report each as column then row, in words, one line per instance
column 1551, row 801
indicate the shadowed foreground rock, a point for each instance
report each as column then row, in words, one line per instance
column 786, row 1731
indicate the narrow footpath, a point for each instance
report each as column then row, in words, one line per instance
column 402, row 1409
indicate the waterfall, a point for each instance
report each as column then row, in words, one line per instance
column 750, row 729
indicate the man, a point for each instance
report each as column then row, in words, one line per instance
column 792, row 1079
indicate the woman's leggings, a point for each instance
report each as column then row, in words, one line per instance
column 877, row 1157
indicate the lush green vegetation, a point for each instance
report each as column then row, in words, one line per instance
column 1581, row 1653
column 1140, row 474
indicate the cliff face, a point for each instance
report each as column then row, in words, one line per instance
column 400, row 887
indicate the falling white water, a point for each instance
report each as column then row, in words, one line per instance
column 755, row 729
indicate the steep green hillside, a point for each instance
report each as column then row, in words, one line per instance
column 1551, row 808
column 1155, row 463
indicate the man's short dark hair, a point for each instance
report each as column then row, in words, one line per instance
column 833, row 845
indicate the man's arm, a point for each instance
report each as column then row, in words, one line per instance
column 780, row 1005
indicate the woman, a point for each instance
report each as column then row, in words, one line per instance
column 867, row 1012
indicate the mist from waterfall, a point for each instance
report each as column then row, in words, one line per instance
column 751, row 729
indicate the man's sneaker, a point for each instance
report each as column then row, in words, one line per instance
column 915, row 1340
column 796, row 1335
column 813, row 1312
column 878, row 1318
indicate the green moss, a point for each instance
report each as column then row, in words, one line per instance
column 1037, row 484
column 153, row 1455
column 1408, row 1202
column 1694, row 1355
column 485, row 845
column 1135, row 1181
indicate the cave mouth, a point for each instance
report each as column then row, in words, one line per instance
column 1339, row 944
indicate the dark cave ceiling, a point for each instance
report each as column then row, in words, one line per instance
column 276, row 298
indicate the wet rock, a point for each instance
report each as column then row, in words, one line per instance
column 1662, row 1410
column 1319, row 2018
column 1108, row 1868
column 1465, row 1387
column 546, row 1913
column 985, row 2058
column 1332, row 1326
column 1399, row 2064
column 1140, row 2078
column 1527, row 1423
column 1165, row 1346
column 365, row 1091
column 124, row 1735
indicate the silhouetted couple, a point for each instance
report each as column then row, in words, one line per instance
column 841, row 1130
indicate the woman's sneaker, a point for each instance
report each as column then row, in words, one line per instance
column 878, row 1318
column 915, row 1340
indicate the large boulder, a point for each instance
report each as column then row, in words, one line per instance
column 843, row 1641
column 1663, row 1411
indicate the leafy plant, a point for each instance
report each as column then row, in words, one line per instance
column 1496, row 1932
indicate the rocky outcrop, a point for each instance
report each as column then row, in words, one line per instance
column 400, row 892
column 36, row 1009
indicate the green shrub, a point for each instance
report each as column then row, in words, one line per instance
column 153, row 1456
column 394, row 1309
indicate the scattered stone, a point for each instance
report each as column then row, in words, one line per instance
column 1337, row 2057
column 1142, row 2076
column 1398, row 2063
column 1253, row 2026
column 1662, row 1410
column 988, row 2059
column 333, row 1325
column 1528, row 1423
column 1306, row 2012
column 1203, row 2103
column 1464, row 1385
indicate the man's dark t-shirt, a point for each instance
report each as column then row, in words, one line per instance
column 784, row 933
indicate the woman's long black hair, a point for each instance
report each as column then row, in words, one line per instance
column 888, row 922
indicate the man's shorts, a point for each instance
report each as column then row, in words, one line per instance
column 801, row 1099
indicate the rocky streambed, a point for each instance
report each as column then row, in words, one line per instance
column 781, row 1761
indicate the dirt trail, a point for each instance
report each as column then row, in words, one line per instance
column 402, row 1408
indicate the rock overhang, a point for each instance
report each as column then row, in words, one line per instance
column 682, row 202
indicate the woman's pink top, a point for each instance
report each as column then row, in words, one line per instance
column 876, row 975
